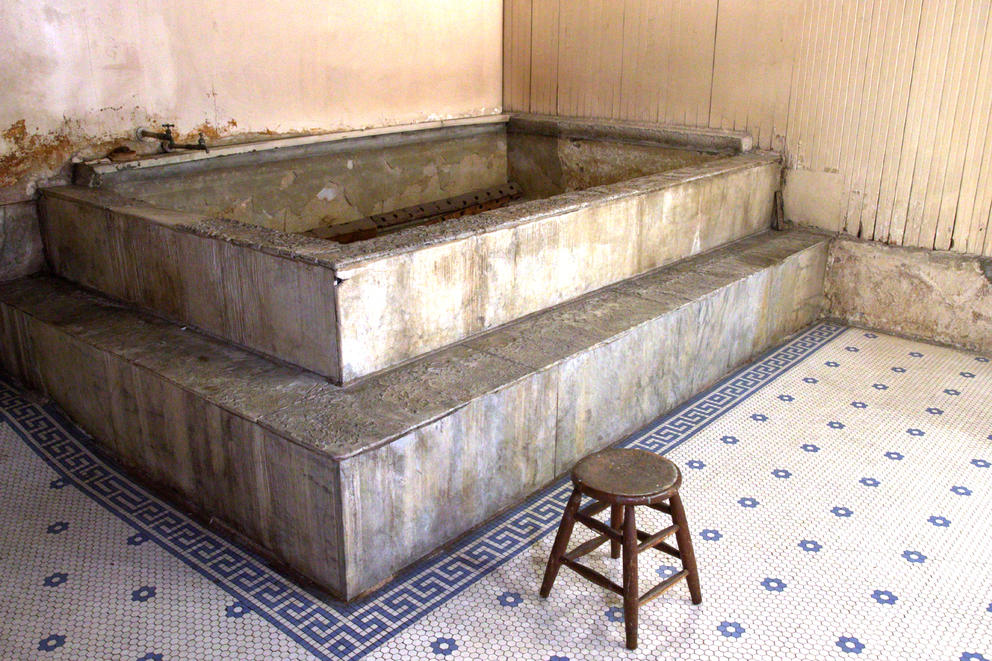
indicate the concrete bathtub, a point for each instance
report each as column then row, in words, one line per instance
column 352, row 407
column 214, row 241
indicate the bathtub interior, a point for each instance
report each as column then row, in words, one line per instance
column 298, row 190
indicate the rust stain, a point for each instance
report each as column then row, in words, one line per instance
column 32, row 152
column 33, row 156
column 212, row 132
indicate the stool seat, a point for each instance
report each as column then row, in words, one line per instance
column 621, row 480
column 626, row 476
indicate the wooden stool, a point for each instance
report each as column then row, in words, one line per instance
column 621, row 479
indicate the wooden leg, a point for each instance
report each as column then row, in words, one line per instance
column 561, row 542
column 630, row 576
column 685, row 549
column 616, row 520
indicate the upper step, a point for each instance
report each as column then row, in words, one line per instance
column 319, row 474
column 348, row 311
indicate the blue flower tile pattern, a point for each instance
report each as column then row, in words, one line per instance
column 884, row 597
column 731, row 629
column 773, row 584
column 57, row 527
column 143, row 593
column 914, row 556
column 130, row 577
column 56, row 579
column 444, row 646
column 850, row 644
column 50, row 643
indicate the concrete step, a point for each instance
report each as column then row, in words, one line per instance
column 350, row 484
column 349, row 310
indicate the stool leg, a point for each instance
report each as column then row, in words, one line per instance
column 561, row 542
column 616, row 520
column 630, row 596
column 684, row 540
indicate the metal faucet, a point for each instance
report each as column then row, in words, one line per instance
column 168, row 141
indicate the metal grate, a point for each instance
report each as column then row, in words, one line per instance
column 420, row 214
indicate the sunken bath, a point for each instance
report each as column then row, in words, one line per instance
column 220, row 241
column 351, row 407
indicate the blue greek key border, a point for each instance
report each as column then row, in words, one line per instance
column 331, row 630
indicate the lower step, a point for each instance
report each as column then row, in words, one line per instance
column 350, row 485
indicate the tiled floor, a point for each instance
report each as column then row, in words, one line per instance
column 839, row 493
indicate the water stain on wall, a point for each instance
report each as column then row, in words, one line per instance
column 31, row 154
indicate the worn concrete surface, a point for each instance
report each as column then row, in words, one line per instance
column 21, row 251
column 674, row 137
column 550, row 165
column 410, row 458
column 280, row 306
column 415, row 299
column 932, row 295
column 350, row 179
column 347, row 311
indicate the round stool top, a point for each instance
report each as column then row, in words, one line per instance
column 626, row 475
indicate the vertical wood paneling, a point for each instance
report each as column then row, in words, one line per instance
column 645, row 63
column 976, row 191
column 889, row 123
column 543, row 58
column 895, row 139
column 887, row 101
column 854, row 121
column 516, row 53
column 589, row 65
column 968, row 62
column 692, row 27
column 754, row 68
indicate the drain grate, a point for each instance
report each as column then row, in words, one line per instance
column 420, row 214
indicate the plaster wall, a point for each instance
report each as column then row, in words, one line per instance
column 78, row 76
